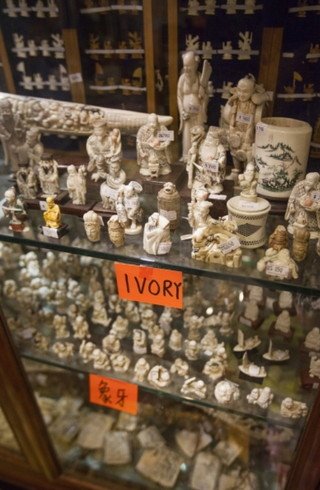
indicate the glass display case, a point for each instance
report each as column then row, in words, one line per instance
column 184, row 361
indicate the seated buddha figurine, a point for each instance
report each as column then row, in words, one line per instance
column 52, row 215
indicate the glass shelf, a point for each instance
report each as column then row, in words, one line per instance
column 179, row 258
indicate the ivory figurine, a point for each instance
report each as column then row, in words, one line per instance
column 76, row 184
column 156, row 235
column 301, row 236
column 115, row 178
column 283, row 323
column 60, row 327
column 250, row 369
column 100, row 360
column 293, row 409
column 81, row 328
column 116, row 231
column 192, row 350
column 52, row 215
column 128, row 207
column 175, row 340
column 159, row 377
column 92, row 226
column 111, row 344
column 158, row 347
column 141, row 370
column 312, row 340
column 13, row 209
column 63, row 350
column 261, row 396
column 208, row 343
column 279, row 238
column 120, row 327
column 194, row 387
column 120, row 363
column 314, row 368
column 153, row 154
column 180, row 367
column 86, row 351
column 248, row 182
column 226, row 392
column 27, row 182
column 278, row 264
column 48, row 175
column 99, row 313
column 169, row 204
column 214, row 369
column 139, row 341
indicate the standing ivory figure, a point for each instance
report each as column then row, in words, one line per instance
column 76, row 184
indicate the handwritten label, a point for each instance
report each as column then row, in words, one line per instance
column 166, row 135
column 75, row 78
column 193, row 109
column 244, row 118
column 149, row 285
column 170, row 215
column 248, row 205
column 113, row 393
column 277, row 270
column 43, row 205
column 218, row 197
column 260, row 128
column 211, row 166
column 230, row 245
column 315, row 195
column 50, row 232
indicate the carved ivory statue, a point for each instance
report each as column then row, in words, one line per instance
column 76, row 184
column 128, row 207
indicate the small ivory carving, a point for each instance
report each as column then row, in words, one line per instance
column 153, row 153
column 293, row 409
column 165, row 320
column 261, row 396
column 139, row 341
column 246, row 344
column 60, row 327
column 278, row 264
column 100, row 360
column 276, row 355
column 111, row 344
column 63, row 350
column 312, row 340
column 99, row 313
column 128, row 207
column 301, row 236
column 214, row 369
column 92, row 225
column 27, row 182
column 314, row 368
column 159, row 376
column 86, row 350
column 248, row 182
column 285, row 300
column 175, row 340
column 81, row 328
column 156, row 235
column 76, row 184
column 120, row 327
column 116, row 231
column 208, row 343
column 169, row 204
column 250, row 369
column 192, row 350
column 180, row 367
column 14, row 210
column 109, row 189
column 279, row 238
column 48, row 175
column 120, row 363
column 158, row 344
column 52, row 215
column 194, row 387
column 251, row 311
column 226, row 392
column 141, row 370
column 283, row 322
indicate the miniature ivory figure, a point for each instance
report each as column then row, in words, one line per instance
column 156, row 235
column 13, row 209
column 180, row 367
column 52, row 215
column 158, row 347
column 175, row 340
column 86, row 350
column 301, row 236
column 63, row 349
column 48, row 175
column 111, row 344
column 109, row 189
column 248, row 182
column 141, row 370
column 192, row 350
column 278, row 238
column 165, row 320
column 206, row 163
column 120, row 363
column 194, row 387
column 261, row 396
column 99, row 313
column 116, row 231
column 214, row 369
column 27, row 182
column 192, row 93
column 139, row 341
column 100, row 360
column 278, row 264
column 241, row 113
column 250, row 369
column 285, row 300
column 246, row 344
column 169, row 204
column 120, row 327
column 153, row 153
column 276, row 355
column 305, row 198
column 283, row 323
column 312, row 340
column 159, row 376
column 293, row 409
column 76, row 184
column 60, row 326
column 226, row 392
column 251, row 313
column 92, row 226
column 314, row 368
column 128, row 207
column 81, row 328
column 208, row 343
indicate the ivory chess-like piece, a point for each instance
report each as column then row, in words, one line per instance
column 226, row 392
column 312, row 340
column 128, row 207
column 141, row 370
column 194, row 387
column 139, row 341
column 92, row 226
column 193, row 97
column 304, row 198
column 153, row 153
column 214, row 369
column 293, row 409
column 169, row 204
column 111, row 344
column 120, row 363
column 175, row 341
column 76, row 184
column 261, row 396
column 156, row 235
column 159, row 377
column 180, row 367
column 301, row 236
column 13, row 209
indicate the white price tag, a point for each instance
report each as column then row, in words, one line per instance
column 166, row 135
column 315, row 195
column 75, row 78
column 244, row 118
column 260, row 128
column 230, row 245
column 276, row 270
column 193, row 109
column 248, row 205
column 211, row 166
column 186, row 237
column 43, row 205
column 170, row 215
column 164, row 248
column 218, row 197
column 50, row 232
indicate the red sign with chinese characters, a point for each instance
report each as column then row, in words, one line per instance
column 149, row 285
column 113, row 393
